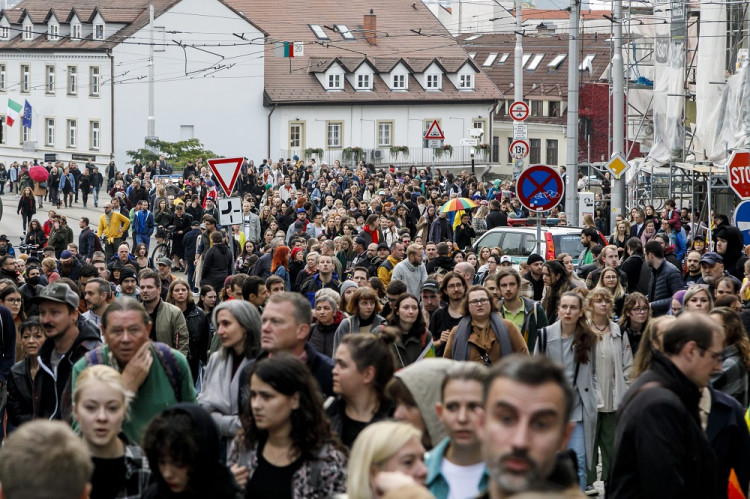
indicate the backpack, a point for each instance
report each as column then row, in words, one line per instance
column 164, row 355
column 97, row 241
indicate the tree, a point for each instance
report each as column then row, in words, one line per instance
column 177, row 153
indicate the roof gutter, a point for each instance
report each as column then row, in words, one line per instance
column 268, row 131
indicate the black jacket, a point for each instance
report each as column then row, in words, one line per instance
column 661, row 449
column 638, row 272
column 263, row 266
column 199, row 328
column 217, row 266
column 28, row 292
column 20, row 393
column 336, row 410
column 445, row 263
column 7, row 343
column 86, row 242
column 730, row 440
column 52, row 396
column 190, row 244
column 665, row 282
column 496, row 218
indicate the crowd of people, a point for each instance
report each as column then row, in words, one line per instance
column 345, row 340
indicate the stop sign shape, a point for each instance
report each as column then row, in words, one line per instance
column 738, row 171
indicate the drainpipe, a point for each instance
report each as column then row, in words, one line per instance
column 269, row 130
column 111, row 104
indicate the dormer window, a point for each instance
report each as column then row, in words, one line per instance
column 4, row 32
column 99, row 32
column 53, row 32
column 466, row 82
column 399, row 82
column 75, row 31
column 28, row 33
column 433, row 82
column 335, row 82
column 363, row 82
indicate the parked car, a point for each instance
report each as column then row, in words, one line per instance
column 520, row 242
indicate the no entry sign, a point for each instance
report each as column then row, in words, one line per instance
column 539, row 188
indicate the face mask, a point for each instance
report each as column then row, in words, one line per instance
column 33, row 280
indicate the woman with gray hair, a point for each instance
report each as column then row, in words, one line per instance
column 237, row 325
column 327, row 319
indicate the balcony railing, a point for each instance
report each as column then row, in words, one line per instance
column 420, row 156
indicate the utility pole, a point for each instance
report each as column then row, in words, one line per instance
column 518, row 73
column 151, row 120
column 571, row 189
column 618, row 110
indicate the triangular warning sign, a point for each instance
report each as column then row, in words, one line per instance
column 226, row 171
column 434, row 132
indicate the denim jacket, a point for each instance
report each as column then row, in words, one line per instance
column 436, row 482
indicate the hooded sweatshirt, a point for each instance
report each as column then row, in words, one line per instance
column 423, row 379
column 413, row 276
column 734, row 258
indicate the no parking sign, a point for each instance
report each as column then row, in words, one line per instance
column 539, row 188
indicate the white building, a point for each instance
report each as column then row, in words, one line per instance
column 85, row 71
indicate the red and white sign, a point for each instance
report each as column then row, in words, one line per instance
column 519, row 149
column 226, row 171
column 738, row 171
column 434, row 132
column 519, row 111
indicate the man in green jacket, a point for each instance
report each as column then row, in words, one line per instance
column 528, row 315
column 157, row 375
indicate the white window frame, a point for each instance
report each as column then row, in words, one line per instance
column 503, row 58
column 525, row 59
column 364, row 81
column 334, row 134
column 25, row 135
column 3, row 78
column 3, row 130
column 535, row 61
column 319, row 32
column 75, row 31
column 437, row 81
column 555, row 63
column 335, row 82
column 383, row 129
column 589, row 59
column 72, row 141
column 399, row 81
column 25, row 78
column 299, row 142
column 466, row 81
column 95, row 80
column 345, row 33
column 28, row 32
column 99, row 31
column 4, row 32
column 72, row 80
column 95, row 135
column 53, row 32
column 491, row 58
column 50, row 80
column 49, row 136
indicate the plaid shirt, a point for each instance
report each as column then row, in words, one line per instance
column 137, row 472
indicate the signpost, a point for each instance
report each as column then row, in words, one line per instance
column 617, row 165
column 519, row 149
column 434, row 132
column 226, row 171
column 520, row 131
column 230, row 211
column 539, row 188
column 519, row 111
column 742, row 220
column 738, row 171
column 469, row 142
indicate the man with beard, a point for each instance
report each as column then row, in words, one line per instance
column 446, row 318
column 112, row 225
column 526, row 314
column 9, row 269
column 535, row 263
column 97, row 293
column 443, row 262
column 693, row 268
column 69, row 266
column 525, row 429
column 169, row 326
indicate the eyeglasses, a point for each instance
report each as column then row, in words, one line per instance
column 476, row 303
column 640, row 309
column 13, row 300
column 717, row 356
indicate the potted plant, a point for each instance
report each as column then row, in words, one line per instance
column 396, row 150
column 354, row 152
column 483, row 148
column 317, row 151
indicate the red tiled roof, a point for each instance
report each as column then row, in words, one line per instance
column 534, row 14
column 406, row 31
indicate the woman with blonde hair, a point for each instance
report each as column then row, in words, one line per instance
column 381, row 447
column 636, row 313
column 698, row 299
column 100, row 405
column 609, row 279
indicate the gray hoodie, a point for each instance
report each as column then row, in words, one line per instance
column 412, row 276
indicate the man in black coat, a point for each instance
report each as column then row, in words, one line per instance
column 665, row 281
column 496, row 218
column 661, row 449
column 640, row 222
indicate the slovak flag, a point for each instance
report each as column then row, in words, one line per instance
column 26, row 118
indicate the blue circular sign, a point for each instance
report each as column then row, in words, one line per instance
column 539, row 188
column 742, row 220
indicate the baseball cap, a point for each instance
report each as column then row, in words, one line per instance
column 712, row 258
column 301, row 210
column 210, row 183
column 299, row 226
column 65, row 255
column 165, row 261
column 3, row 237
column 195, row 223
column 58, row 293
column 431, row 285
column 381, row 193
column 382, row 246
column 505, row 258
column 361, row 240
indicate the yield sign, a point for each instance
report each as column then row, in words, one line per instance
column 434, row 132
column 226, row 171
column 738, row 171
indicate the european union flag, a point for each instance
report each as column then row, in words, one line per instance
column 26, row 118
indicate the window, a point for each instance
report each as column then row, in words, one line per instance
column 345, row 33
column 296, row 135
column 490, row 60
column 503, row 58
column 525, row 59
column 535, row 151
column 399, row 81
column 4, row 32
column 95, row 81
column 53, row 32
column 363, row 81
column 433, row 82
column 587, row 61
column 28, row 33
column 24, row 134
column 72, row 80
column 2, row 129
column 478, row 125
column 49, row 138
column 318, row 32
column 334, row 82
column 334, row 133
column 512, row 243
column 537, row 107
column 554, row 108
column 50, row 79
column 551, row 152
column 72, row 133
column 465, row 82
column 99, row 32
column 555, row 63
column 94, row 135
column 385, row 133
column 2, row 78
column 535, row 62
column 25, row 79
column 75, row 32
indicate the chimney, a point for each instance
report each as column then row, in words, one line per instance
column 370, row 27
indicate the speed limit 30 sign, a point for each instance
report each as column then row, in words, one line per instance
column 519, row 149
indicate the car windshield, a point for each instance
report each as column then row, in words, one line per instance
column 568, row 243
